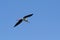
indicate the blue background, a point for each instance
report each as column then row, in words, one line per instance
column 44, row 24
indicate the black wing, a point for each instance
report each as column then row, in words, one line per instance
column 28, row 16
column 18, row 22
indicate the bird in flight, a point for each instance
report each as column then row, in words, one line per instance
column 23, row 19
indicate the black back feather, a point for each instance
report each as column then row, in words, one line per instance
column 18, row 22
column 28, row 16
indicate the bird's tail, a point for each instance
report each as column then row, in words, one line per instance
column 27, row 21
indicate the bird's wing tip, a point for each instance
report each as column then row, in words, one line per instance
column 14, row 26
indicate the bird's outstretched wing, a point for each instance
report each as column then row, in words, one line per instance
column 28, row 16
column 18, row 22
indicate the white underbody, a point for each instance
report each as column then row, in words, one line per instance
column 25, row 19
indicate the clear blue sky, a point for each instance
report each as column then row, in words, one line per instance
column 44, row 24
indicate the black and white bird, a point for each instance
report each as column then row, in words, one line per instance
column 23, row 19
